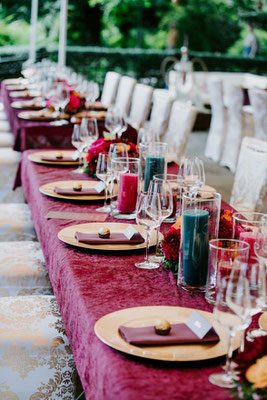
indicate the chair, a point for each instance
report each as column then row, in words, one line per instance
column 16, row 223
column 35, row 356
column 250, row 182
column 110, row 88
column 160, row 113
column 125, row 93
column 215, row 139
column 141, row 103
column 4, row 126
column 234, row 127
column 181, row 122
column 9, row 161
column 22, row 269
column 258, row 99
column 6, row 139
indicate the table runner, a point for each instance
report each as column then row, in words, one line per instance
column 90, row 284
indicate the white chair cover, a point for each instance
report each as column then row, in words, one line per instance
column 6, row 139
column 181, row 122
column 4, row 126
column 160, row 113
column 258, row 99
column 22, row 269
column 141, row 103
column 16, row 223
column 250, row 183
column 215, row 139
column 9, row 161
column 234, row 127
column 110, row 88
column 35, row 356
column 125, row 93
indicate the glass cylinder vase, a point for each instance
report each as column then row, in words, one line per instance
column 200, row 223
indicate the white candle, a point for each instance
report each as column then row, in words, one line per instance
column 62, row 33
column 34, row 15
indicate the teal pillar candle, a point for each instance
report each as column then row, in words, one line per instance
column 153, row 166
column 195, row 247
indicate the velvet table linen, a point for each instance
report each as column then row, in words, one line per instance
column 89, row 284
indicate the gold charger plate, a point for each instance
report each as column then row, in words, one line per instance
column 37, row 157
column 25, row 94
column 48, row 190
column 20, row 87
column 107, row 330
column 67, row 235
column 16, row 81
column 28, row 104
column 45, row 116
column 99, row 115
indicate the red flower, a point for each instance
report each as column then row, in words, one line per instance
column 226, row 225
column 171, row 244
column 75, row 101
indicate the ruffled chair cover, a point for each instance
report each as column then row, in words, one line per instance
column 6, row 139
column 125, row 93
column 141, row 102
column 22, row 269
column 258, row 99
column 160, row 113
column 216, row 134
column 110, row 87
column 181, row 122
column 234, row 127
column 35, row 355
column 250, row 183
column 16, row 223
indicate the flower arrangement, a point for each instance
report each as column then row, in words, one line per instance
column 75, row 104
column 102, row 145
column 252, row 370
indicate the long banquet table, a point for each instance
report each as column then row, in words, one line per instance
column 90, row 284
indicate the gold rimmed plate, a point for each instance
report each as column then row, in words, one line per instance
column 28, row 104
column 48, row 190
column 25, row 93
column 41, row 115
column 107, row 330
column 67, row 235
column 37, row 157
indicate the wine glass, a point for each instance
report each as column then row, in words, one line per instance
column 231, row 306
column 192, row 174
column 148, row 215
column 260, row 245
column 89, row 131
column 124, row 126
column 163, row 188
column 113, row 121
column 103, row 173
column 62, row 98
column 78, row 143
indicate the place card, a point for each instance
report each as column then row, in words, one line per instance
column 100, row 187
column 198, row 324
column 130, row 231
column 96, row 217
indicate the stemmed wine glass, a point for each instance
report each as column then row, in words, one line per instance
column 230, row 310
column 77, row 140
column 124, row 126
column 148, row 215
column 113, row 121
column 103, row 173
column 89, row 130
column 192, row 174
column 62, row 98
column 164, row 190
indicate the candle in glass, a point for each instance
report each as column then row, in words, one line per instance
column 154, row 165
column 250, row 238
column 127, row 193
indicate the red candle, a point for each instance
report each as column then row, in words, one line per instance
column 250, row 238
column 127, row 193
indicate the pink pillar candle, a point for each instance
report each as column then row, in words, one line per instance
column 127, row 193
column 250, row 238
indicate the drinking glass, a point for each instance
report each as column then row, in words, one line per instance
column 62, row 98
column 163, row 189
column 192, row 173
column 260, row 245
column 155, row 154
column 78, row 143
column 116, row 151
column 89, row 130
column 148, row 214
column 113, row 121
column 127, row 175
column 124, row 126
column 232, row 304
column 174, row 182
column 103, row 173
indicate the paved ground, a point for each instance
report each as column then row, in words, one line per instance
column 218, row 177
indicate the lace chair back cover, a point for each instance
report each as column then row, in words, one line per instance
column 125, row 93
column 181, row 122
column 22, row 269
column 141, row 103
column 216, row 134
column 110, row 87
column 234, row 127
column 35, row 355
column 250, row 183
column 16, row 223
column 258, row 100
column 160, row 113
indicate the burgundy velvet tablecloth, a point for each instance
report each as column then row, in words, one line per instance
column 90, row 284
column 38, row 135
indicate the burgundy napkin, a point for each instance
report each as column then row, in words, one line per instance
column 83, row 192
column 179, row 334
column 115, row 238
column 64, row 159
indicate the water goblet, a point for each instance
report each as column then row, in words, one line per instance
column 192, row 174
column 89, row 131
column 103, row 173
column 113, row 121
column 78, row 143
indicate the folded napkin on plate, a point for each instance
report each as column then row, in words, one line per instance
column 115, row 238
column 179, row 334
column 83, row 192
column 64, row 159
